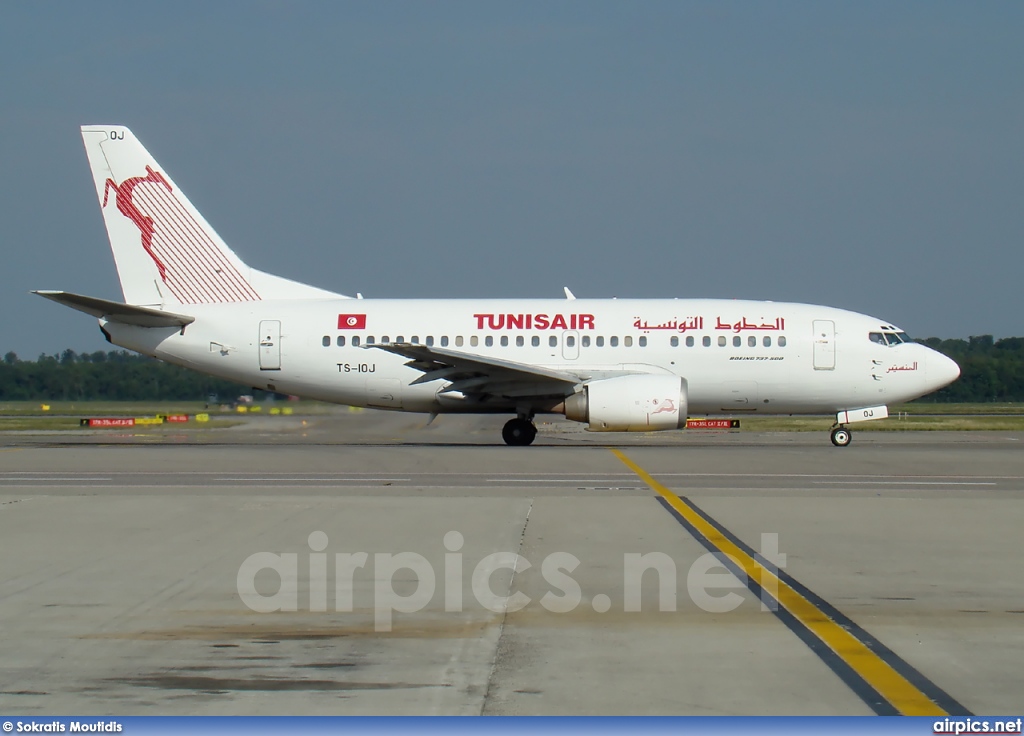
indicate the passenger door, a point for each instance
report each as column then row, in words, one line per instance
column 270, row 345
column 824, row 345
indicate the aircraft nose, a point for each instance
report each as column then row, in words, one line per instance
column 942, row 370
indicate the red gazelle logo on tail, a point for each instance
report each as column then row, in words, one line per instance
column 193, row 266
column 127, row 207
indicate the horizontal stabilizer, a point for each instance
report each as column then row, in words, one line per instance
column 117, row 312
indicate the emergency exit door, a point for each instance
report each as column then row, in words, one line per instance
column 570, row 345
column 270, row 345
column 824, row 345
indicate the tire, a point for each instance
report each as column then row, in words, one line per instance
column 518, row 432
column 841, row 437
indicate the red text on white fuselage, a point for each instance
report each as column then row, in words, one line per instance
column 534, row 321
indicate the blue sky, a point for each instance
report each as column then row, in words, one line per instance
column 866, row 155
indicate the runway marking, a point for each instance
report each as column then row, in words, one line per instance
column 165, row 486
column 527, row 477
column 553, row 480
column 830, row 475
column 886, row 683
column 901, row 482
column 14, row 479
column 305, row 479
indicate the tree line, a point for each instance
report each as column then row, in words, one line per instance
column 117, row 375
column 991, row 370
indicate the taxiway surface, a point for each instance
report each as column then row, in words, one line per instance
column 125, row 586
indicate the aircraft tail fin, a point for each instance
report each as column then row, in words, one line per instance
column 166, row 252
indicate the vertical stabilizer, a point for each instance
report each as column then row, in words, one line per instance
column 166, row 252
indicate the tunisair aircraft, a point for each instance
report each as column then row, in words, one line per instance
column 616, row 365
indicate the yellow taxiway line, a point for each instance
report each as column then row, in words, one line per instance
column 904, row 696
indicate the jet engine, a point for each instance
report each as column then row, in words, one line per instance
column 637, row 403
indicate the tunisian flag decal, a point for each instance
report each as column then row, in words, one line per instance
column 351, row 321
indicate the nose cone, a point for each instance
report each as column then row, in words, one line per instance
column 942, row 371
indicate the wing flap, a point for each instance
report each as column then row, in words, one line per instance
column 477, row 374
column 128, row 314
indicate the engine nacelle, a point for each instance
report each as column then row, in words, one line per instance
column 641, row 403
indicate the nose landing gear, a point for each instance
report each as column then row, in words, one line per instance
column 519, row 432
column 841, row 436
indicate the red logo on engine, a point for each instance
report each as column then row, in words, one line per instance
column 667, row 406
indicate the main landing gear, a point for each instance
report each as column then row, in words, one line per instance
column 841, row 436
column 519, row 432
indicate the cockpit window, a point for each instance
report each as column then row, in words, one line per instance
column 889, row 338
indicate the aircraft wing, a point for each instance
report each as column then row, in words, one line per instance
column 129, row 314
column 479, row 376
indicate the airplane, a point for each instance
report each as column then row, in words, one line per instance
column 615, row 365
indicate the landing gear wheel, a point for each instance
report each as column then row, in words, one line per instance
column 841, row 436
column 518, row 432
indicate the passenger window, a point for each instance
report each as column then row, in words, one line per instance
column 782, row 342
column 326, row 341
column 370, row 340
column 474, row 341
column 400, row 339
column 430, row 341
column 570, row 341
column 341, row 341
column 415, row 339
column 535, row 341
column 585, row 341
column 489, row 341
column 767, row 341
column 737, row 341
column 613, row 342
column 458, row 341
column 721, row 341
column 689, row 341
column 706, row 342
column 444, row 341
column 385, row 340
column 520, row 341
column 553, row 341
column 751, row 341
column 643, row 342
column 355, row 341
column 600, row 342
column 504, row 341
column 674, row 342
column 627, row 341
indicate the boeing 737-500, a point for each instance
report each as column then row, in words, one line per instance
column 616, row 365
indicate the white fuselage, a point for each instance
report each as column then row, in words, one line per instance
column 736, row 356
